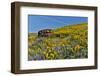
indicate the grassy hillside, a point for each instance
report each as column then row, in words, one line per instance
column 68, row 42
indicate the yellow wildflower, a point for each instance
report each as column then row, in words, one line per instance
column 77, row 47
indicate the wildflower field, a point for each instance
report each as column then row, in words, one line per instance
column 67, row 42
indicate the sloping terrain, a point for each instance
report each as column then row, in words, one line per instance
column 68, row 42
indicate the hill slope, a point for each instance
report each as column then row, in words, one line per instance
column 68, row 42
